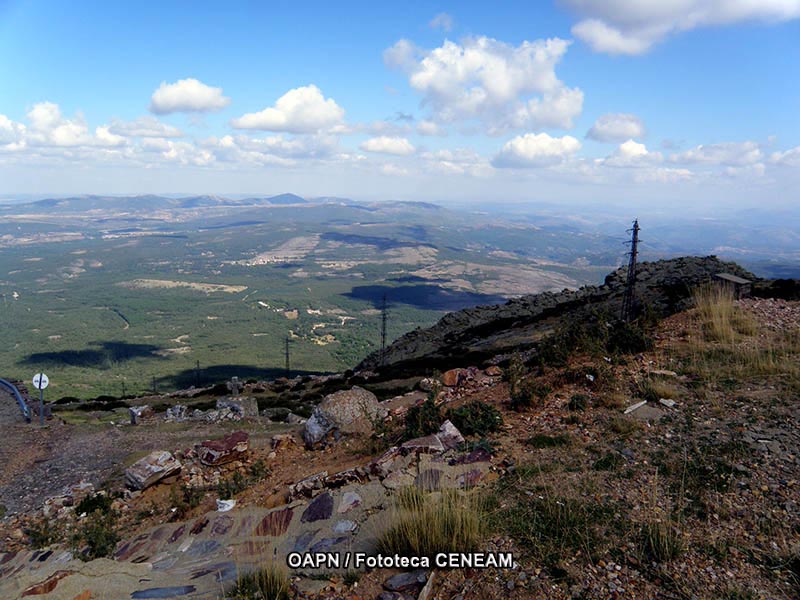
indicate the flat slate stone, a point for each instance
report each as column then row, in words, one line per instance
column 48, row 585
column 275, row 523
column 303, row 540
column 199, row 525
column 222, row 525
column 344, row 527
column 176, row 534
column 349, row 500
column 326, row 544
column 321, row 508
column 203, row 547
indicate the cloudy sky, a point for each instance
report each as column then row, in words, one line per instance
column 638, row 102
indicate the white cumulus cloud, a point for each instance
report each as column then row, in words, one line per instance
column 11, row 132
column 501, row 85
column 301, row 110
column 634, row 26
column 632, row 154
column 48, row 127
column 187, row 95
column 731, row 154
column 536, row 150
column 388, row 145
column 616, row 127
column 147, row 127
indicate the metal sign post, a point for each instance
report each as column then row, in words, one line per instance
column 41, row 381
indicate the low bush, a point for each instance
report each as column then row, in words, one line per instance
column 96, row 536
column 423, row 419
column 476, row 418
column 578, row 402
column 541, row 440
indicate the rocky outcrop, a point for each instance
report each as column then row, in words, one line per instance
column 349, row 411
column 474, row 335
column 218, row 452
column 154, row 467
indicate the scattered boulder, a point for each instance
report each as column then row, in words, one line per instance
column 309, row 486
column 244, row 406
column 139, row 413
column 154, row 467
column 282, row 440
column 176, row 413
column 450, row 436
column 494, row 371
column 429, row 444
column 293, row 419
column 225, row 450
column 347, row 411
column 453, row 377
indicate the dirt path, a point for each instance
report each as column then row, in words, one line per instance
column 37, row 463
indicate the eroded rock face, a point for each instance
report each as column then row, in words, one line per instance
column 218, row 452
column 484, row 332
column 348, row 411
column 154, row 467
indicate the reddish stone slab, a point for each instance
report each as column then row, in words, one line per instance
column 275, row 523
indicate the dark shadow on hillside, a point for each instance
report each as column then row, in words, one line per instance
column 430, row 297
column 417, row 279
column 102, row 355
column 381, row 243
column 222, row 373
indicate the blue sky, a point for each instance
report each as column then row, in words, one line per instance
column 625, row 101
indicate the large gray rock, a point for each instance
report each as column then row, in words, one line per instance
column 245, row 407
column 154, row 467
column 349, row 412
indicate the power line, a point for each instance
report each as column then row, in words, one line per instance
column 629, row 299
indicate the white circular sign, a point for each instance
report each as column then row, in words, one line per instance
column 40, row 381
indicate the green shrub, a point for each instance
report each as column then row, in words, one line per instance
column 628, row 338
column 228, row 488
column 578, row 402
column 541, row 440
column 608, row 462
column 476, row 418
column 97, row 535
column 43, row 534
column 523, row 389
column 89, row 504
column 423, row 419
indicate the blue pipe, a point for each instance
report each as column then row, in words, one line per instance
column 20, row 400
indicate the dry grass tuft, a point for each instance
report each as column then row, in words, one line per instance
column 270, row 582
column 426, row 524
